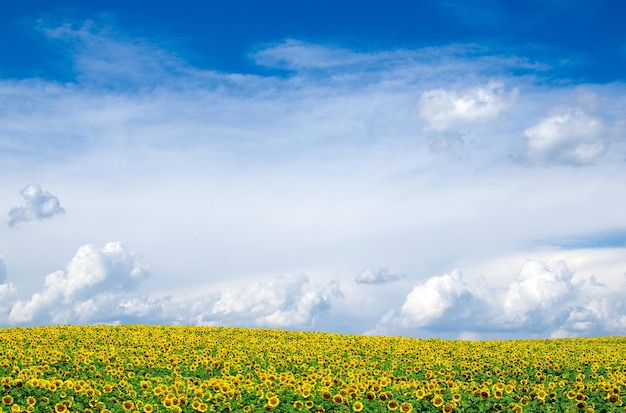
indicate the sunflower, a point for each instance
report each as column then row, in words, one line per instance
column 31, row 401
column 406, row 407
column 357, row 406
column 128, row 405
column 148, row 408
column 7, row 400
column 420, row 393
column 337, row 398
column 298, row 405
column 393, row 405
column 448, row 408
column 60, row 408
column 438, row 401
column 309, row 404
column 273, row 402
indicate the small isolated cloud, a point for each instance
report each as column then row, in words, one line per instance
column 91, row 289
column 444, row 109
column 373, row 275
column 567, row 136
column 40, row 204
column 280, row 302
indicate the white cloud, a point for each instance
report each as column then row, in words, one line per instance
column 428, row 302
column 539, row 292
column 567, row 136
column 280, row 302
column 318, row 172
column 444, row 109
column 8, row 293
column 3, row 270
column 40, row 204
column 87, row 291
column 373, row 275
column 542, row 301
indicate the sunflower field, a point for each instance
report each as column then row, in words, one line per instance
column 135, row 368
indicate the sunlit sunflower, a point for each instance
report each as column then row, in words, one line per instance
column 437, row 401
column 406, row 407
column 393, row 405
column 273, row 401
column 447, row 408
column 357, row 406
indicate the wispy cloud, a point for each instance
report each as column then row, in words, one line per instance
column 40, row 204
column 444, row 109
column 373, row 275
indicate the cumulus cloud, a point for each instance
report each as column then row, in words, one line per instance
column 373, row 275
column 8, row 293
column 428, row 302
column 89, row 290
column 443, row 109
column 280, row 302
column 542, row 300
column 540, row 294
column 40, row 204
column 567, row 136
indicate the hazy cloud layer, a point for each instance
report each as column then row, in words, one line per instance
column 423, row 160
column 40, row 204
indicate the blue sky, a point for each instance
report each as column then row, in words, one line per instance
column 455, row 168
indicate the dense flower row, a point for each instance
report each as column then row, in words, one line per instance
column 197, row 369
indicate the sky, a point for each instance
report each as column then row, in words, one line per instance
column 451, row 169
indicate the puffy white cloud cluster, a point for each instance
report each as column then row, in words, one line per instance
column 373, row 275
column 40, row 204
column 280, row 302
column 443, row 109
column 429, row 301
column 100, row 286
column 543, row 301
column 567, row 136
column 91, row 289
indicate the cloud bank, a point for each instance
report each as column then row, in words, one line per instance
column 542, row 301
column 40, row 204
